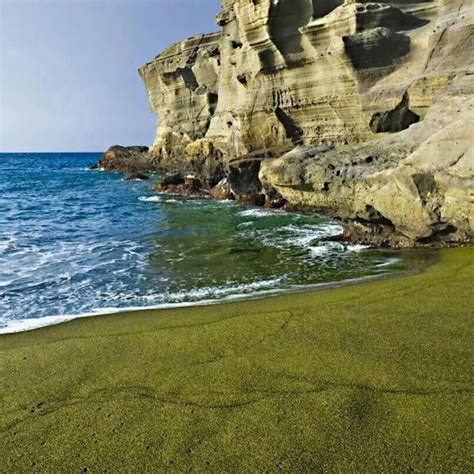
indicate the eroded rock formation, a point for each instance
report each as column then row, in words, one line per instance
column 131, row 159
column 362, row 110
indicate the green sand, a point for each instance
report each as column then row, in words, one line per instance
column 369, row 378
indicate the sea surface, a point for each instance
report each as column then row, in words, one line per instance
column 76, row 242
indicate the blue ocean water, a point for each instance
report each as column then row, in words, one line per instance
column 75, row 242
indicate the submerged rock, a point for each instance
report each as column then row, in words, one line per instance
column 136, row 177
column 188, row 186
column 172, row 180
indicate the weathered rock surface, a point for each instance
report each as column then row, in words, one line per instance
column 361, row 110
column 131, row 159
column 189, row 186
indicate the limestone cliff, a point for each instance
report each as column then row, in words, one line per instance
column 362, row 110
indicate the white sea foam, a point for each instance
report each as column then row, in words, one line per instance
column 389, row 262
column 150, row 198
column 69, row 254
column 356, row 247
column 266, row 289
column 319, row 250
column 20, row 325
column 259, row 213
column 304, row 236
column 195, row 297
column 7, row 244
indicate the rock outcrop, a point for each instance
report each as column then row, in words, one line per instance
column 131, row 159
column 362, row 110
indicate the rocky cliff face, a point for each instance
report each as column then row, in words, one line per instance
column 362, row 110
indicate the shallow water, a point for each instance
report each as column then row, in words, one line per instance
column 76, row 242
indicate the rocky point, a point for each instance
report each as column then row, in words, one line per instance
column 360, row 110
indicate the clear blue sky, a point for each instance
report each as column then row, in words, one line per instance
column 68, row 68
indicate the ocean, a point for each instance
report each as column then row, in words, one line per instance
column 76, row 242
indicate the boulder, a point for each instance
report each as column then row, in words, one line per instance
column 133, row 159
column 136, row 177
column 193, row 184
column 254, row 199
column 188, row 186
column 222, row 191
column 172, row 180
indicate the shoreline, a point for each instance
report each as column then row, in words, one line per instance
column 33, row 324
column 373, row 376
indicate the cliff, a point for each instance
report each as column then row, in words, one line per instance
column 360, row 110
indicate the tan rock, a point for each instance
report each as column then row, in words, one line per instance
column 375, row 97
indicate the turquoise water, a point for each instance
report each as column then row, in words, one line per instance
column 75, row 242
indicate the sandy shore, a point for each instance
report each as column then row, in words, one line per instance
column 370, row 377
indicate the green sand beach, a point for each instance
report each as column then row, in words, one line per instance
column 373, row 377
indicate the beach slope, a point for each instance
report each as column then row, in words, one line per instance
column 373, row 377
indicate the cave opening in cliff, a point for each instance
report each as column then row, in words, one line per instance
column 286, row 17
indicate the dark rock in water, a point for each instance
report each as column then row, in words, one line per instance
column 136, row 177
column 193, row 184
column 245, row 183
column 243, row 178
column 172, row 180
column 222, row 191
column 188, row 186
column 279, row 203
column 274, row 200
column 203, row 160
column 132, row 159
column 254, row 199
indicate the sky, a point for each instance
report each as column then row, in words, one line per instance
column 68, row 69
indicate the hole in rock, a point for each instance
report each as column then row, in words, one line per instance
column 395, row 120
column 242, row 79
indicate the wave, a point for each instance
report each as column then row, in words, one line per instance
column 389, row 262
column 89, row 246
column 356, row 247
column 260, row 213
column 194, row 297
column 266, row 290
column 303, row 236
column 150, row 198
column 7, row 245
